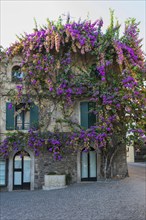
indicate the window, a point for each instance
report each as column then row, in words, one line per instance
column 2, row 172
column 93, row 71
column 17, row 75
column 22, row 119
column 19, row 118
column 87, row 118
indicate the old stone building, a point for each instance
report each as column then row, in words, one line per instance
column 27, row 171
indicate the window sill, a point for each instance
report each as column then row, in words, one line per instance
column 25, row 131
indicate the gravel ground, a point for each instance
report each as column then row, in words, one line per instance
column 111, row 200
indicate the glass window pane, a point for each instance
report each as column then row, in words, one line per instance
column 2, row 172
column 19, row 122
column 16, row 73
column 2, row 180
column 18, row 162
column 26, row 174
column 84, row 165
column 17, row 178
column 92, row 156
column 26, row 120
column 2, row 165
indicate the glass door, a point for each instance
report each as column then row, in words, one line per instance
column 26, row 172
column 88, row 166
column 84, row 165
column 21, row 171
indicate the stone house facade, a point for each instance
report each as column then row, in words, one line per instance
column 27, row 172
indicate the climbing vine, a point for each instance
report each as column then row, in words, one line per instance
column 67, row 62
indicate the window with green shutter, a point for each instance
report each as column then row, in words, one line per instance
column 84, row 114
column 34, row 116
column 10, row 110
column 88, row 118
column 24, row 119
column 91, row 115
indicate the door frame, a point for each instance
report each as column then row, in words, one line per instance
column 10, row 169
column 23, row 185
column 88, row 170
column 98, row 168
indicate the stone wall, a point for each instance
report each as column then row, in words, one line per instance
column 119, row 166
column 46, row 163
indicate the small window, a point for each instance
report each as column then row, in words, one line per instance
column 21, row 117
column 22, row 120
column 87, row 117
column 17, row 75
column 2, row 172
column 93, row 71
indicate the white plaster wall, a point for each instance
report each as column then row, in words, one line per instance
column 130, row 154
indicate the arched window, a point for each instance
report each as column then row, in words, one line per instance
column 93, row 71
column 17, row 75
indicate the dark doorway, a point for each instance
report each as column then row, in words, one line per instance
column 89, row 165
column 21, row 171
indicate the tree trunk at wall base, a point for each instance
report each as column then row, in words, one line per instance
column 114, row 161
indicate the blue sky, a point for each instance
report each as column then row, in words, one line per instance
column 18, row 16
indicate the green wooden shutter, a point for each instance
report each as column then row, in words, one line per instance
column 91, row 116
column 10, row 117
column 84, row 114
column 34, row 116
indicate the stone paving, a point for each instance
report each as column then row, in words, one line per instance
column 105, row 200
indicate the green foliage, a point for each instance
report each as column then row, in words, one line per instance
column 73, row 62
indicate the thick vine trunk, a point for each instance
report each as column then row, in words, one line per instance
column 114, row 162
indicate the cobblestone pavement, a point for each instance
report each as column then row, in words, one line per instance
column 111, row 200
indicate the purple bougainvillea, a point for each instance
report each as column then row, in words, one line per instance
column 69, row 62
